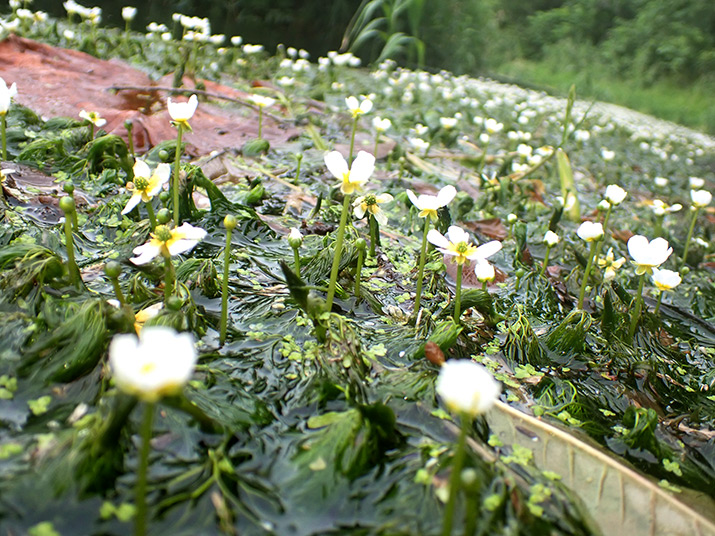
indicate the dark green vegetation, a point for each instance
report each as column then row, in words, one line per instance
column 327, row 423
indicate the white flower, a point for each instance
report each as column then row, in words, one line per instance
column 484, row 271
column 128, row 13
column 371, row 203
column 261, row 101
column 236, row 40
column 358, row 108
column 146, row 184
column 295, row 238
column 456, row 243
column 610, row 264
column 93, row 117
column 696, row 182
column 418, row 143
column 648, row 255
column 660, row 208
column 6, row 95
column 168, row 242
column 615, row 194
column 700, row 198
column 380, row 124
column 590, row 231
column 492, row 126
column 158, row 363
column 354, row 178
column 582, row 135
column 512, row 218
column 430, row 204
column 467, row 387
column 448, row 122
column 666, row 279
column 181, row 112
column 607, row 154
column 551, row 238
column 662, row 182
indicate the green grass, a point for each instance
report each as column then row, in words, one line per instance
column 690, row 105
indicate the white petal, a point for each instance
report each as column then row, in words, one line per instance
column 456, row 234
column 141, row 169
column 191, row 232
column 362, row 168
column 145, row 253
column 380, row 217
column 163, row 172
column 133, row 202
column 182, row 246
column 412, row 197
column 487, row 250
column 336, row 164
column 436, row 238
column 445, row 195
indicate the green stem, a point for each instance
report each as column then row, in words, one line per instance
column 352, row 140
column 140, row 504
column 299, row 158
column 637, row 311
column 224, row 287
column 69, row 243
column 421, row 268
column 587, row 273
column 118, row 291
column 168, row 278
column 3, row 127
column 91, row 131
column 177, row 162
column 601, row 240
column 546, row 260
column 296, row 259
column 358, row 272
column 152, row 216
column 377, row 144
column 458, row 294
column 454, row 477
column 659, row 225
column 338, row 251
column 690, row 236
column 374, row 230
column 660, row 299
column 75, row 221
column 260, row 121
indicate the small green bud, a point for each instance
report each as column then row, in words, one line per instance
column 469, row 477
column 164, row 155
column 230, row 222
column 163, row 216
column 360, row 244
column 128, row 125
column 164, row 197
column 519, row 273
column 67, row 205
column 174, row 303
column 68, row 188
column 113, row 269
column 685, row 270
column 295, row 239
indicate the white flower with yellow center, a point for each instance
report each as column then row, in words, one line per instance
column 551, row 238
column 456, row 243
column 358, row 107
column 660, row 208
column 466, row 387
column 6, row 95
column 158, row 363
column 448, row 123
column 610, row 264
column 666, row 279
column 168, row 242
column 615, row 194
column 590, row 231
column 356, row 176
column 700, row 198
column 93, row 117
column 648, row 255
column 428, row 205
column 181, row 112
column 380, row 124
column 146, row 184
column 484, row 271
column 262, row 101
column 370, row 203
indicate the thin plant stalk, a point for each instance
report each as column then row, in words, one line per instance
column 358, row 271
column 69, row 241
column 177, row 163
column 690, row 236
column 299, row 158
column 3, row 131
column 352, row 140
column 546, row 261
column 637, row 311
column 168, row 278
column 454, row 477
column 377, row 144
column 140, row 492
column 601, row 240
column 657, row 305
column 152, row 216
column 659, row 225
column 91, row 130
column 338, row 249
column 421, row 266
column 118, row 291
column 224, row 286
column 587, row 273
column 296, row 260
column 458, row 293
column 374, row 232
